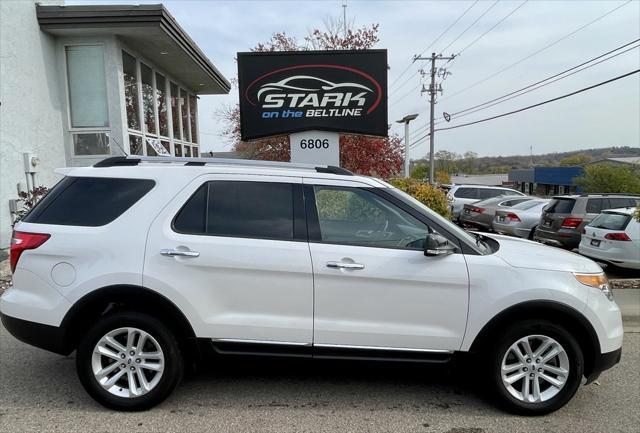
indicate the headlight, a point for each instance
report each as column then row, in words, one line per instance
column 598, row 281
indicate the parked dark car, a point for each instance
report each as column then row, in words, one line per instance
column 565, row 216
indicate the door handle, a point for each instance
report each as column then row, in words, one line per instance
column 344, row 265
column 174, row 253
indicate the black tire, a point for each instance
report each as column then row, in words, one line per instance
column 173, row 362
column 532, row 233
column 511, row 336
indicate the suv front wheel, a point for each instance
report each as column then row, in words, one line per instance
column 537, row 367
column 129, row 361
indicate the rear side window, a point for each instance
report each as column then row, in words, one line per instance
column 610, row 221
column 466, row 193
column 615, row 203
column 488, row 193
column 561, row 205
column 239, row 209
column 595, row 205
column 88, row 201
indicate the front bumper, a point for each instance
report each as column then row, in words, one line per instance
column 51, row 338
column 603, row 362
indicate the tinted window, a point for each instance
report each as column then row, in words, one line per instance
column 595, row 205
column 251, row 209
column 615, row 203
column 466, row 193
column 88, row 201
column 610, row 221
column 191, row 218
column 488, row 192
column 359, row 217
column 239, row 209
column 514, row 202
column 561, row 205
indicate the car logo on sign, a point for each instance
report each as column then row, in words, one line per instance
column 349, row 93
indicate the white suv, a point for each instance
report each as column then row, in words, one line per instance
column 143, row 264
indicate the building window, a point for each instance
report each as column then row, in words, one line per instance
column 131, row 90
column 90, row 144
column 193, row 104
column 161, row 102
column 184, row 115
column 148, row 112
column 87, row 86
column 175, row 111
column 165, row 110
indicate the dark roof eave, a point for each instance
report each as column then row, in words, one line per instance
column 56, row 17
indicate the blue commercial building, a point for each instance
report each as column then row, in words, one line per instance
column 546, row 181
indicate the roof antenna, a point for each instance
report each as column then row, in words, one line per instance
column 117, row 144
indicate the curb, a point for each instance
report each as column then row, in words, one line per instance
column 629, row 302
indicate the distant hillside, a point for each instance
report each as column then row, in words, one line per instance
column 502, row 164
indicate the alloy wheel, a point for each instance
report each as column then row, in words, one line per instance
column 127, row 362
column 535, row 368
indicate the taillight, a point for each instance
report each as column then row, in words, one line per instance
column 477, row 209
column 513, row 217
column 617, row 237
column 22, row 241
column 571, row 223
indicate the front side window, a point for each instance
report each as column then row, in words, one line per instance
column 357, row 216
column 87, row 86
column 261, row 210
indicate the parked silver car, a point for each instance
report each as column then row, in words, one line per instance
column 520, row 220
column 480, row 214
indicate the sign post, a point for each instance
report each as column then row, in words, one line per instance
column 315, row 147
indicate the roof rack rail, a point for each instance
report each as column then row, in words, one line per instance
column 605, row 194
column 117, row 161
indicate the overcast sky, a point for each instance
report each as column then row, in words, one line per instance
column 606, row 116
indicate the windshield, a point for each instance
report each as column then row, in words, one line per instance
column 439, row 219
column 610, row 221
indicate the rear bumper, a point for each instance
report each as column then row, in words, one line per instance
column 561, row 238
column 603, row 362
column 51, row 338
column 617, row 259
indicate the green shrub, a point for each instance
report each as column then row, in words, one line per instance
column 429, row 195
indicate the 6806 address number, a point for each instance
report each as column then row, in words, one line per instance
column 314, row 143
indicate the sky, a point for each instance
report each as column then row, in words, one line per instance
column 602, row 117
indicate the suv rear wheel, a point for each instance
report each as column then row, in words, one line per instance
column 129, row 361
column 536, row 368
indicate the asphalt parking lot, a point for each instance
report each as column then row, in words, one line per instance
column 40, row 392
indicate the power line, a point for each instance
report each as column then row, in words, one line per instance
column 434, row 42
column 546, row 47
column 545, row 82
column 471, row 25
column 584, row 89
column 493, row 27
column 529, row 107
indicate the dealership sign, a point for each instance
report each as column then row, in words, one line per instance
column 287, row 92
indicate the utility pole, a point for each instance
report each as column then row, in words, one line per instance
column 344, row 17
column 432, row 104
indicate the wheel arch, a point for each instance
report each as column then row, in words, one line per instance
column 110, row 299
column 575, row 322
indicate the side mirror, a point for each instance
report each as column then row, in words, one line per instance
column 437, row 245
